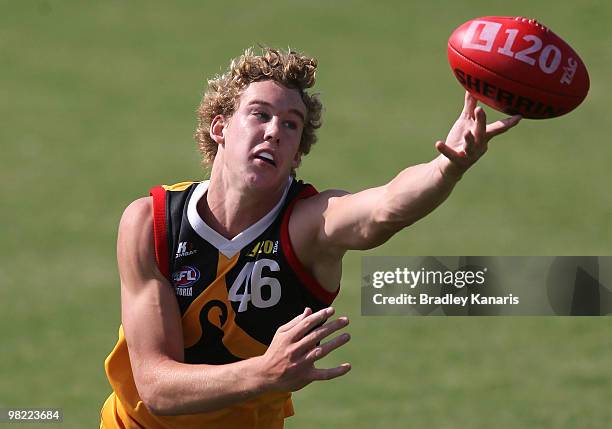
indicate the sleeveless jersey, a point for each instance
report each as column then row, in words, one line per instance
column 232, row 294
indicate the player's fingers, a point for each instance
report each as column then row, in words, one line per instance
column 480, row 129
column 297, row 319
column 307, row 324
column 330, row 373
column 501, row 126
column 470, row 144
column 309, row 341
column 448, row 152
column 469, row 104
column 326, row 348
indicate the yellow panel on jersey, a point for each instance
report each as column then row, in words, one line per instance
column 181, row 186
column 124, row 409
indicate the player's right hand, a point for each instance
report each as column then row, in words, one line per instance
column 288, row 364
column 468, row 139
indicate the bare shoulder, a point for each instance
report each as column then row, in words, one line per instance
column 307, row 233
column 138, row 213
column 307, row 222
column 135, row 245
column 318, row 203
column 137, row 221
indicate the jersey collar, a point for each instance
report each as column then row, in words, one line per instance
column 226, row 246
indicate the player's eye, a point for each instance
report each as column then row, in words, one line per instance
column 261, row 115
column 291, row 125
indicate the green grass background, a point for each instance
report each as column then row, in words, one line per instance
column 97, row 104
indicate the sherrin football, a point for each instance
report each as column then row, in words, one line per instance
column 518, row 66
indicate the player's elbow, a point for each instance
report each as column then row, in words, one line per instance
column 156, row 396
column 388, row 221
column 374, row 232
column 158, row 409
column 154, row 407
column 385, row 221
column 152, row 397
column 379, row 232
column 392, row 212
column 158, row 402
column 371, row 240
column 377, row 228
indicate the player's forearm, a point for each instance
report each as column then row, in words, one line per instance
column 176, row 388
column 371, row 217
column 416, row 192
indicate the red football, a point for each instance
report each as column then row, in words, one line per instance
column 516, row 65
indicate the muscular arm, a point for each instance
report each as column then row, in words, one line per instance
column 369, row 218
column 152, row 326
column 334, row 221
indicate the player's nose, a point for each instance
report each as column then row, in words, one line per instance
column 273, row 130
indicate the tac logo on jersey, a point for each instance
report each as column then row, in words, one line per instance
column 184, row 278
column 185, row 248
column 265, row 247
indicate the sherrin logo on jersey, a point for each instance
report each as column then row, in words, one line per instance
column 183, row 278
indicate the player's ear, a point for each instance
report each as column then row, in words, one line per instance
column 217, row 129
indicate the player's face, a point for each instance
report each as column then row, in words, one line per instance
column 263, row 135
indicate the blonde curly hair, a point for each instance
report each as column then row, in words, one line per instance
column 291, row 69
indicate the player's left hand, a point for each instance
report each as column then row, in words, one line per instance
column 468, row 138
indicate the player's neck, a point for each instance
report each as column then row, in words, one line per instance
column 229, row 207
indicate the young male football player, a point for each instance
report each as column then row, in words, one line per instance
column 226, row 284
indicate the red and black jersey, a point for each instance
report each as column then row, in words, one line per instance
column 232, row 295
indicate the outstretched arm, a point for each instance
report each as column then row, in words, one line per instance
column 364, row 220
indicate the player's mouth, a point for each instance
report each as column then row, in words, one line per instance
column 266, row 157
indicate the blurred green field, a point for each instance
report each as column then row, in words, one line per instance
column 97, row 103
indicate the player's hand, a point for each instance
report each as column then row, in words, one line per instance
column 468, row 139
column 288, row 364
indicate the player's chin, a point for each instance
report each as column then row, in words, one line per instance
column 266, row 178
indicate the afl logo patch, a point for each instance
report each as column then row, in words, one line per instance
column 185, row 276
